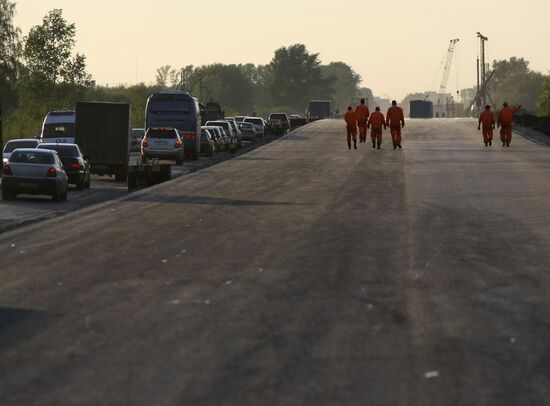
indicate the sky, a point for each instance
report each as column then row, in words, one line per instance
column 396, row 46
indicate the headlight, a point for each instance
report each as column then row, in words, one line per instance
column 5, row 160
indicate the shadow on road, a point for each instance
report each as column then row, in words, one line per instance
column 215, row 201
column 16, row 324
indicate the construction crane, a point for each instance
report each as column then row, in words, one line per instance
column 447, row 67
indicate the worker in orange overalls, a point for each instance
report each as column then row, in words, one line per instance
column 351, row 127
column 487, row 119
column 505, row 116
column 395, row 120
column 363, row 113
column 375, row 123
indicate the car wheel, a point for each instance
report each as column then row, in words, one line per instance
column 195, row 155
column 179, row 161
column 63, row 196
column 80, row 185
column 6, row 195
column 55, row 196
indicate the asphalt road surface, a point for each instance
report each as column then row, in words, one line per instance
column 299, row 273
column 32, row 209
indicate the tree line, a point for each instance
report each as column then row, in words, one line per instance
column 41, row 71
column 512, row 81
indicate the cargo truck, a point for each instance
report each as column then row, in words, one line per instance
column 103, row 134
column 319, row 110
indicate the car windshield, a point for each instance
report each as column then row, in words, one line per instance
column 64, row 151
column 223, row 124
column 13, row 145
column 32, row 157
column 163, row 134
column 254, row 121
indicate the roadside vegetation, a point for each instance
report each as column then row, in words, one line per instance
column 41, row 71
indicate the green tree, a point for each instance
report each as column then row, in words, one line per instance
column 225, row 84
column 515, row 83
column 346, row 83
column 49, row 56
column 297, row 77
column 163, row 75
column 10, row 46
column 544, row 97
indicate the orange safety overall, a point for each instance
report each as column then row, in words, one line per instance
column 487, row 122
column 363, row 113
column 351, row 125
column 395, row 120
column 505, row 121
column 375, row 123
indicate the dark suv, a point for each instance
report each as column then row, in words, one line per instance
column 278, row 123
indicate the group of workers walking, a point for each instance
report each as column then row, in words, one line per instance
column 487, row 123
column 362, row 118
column 394, row 119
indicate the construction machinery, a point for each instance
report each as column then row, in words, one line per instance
column 447, row 66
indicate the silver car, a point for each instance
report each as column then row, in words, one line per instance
column 222, row 140
column 259, row 124
column 228, row 128
column 36, row 172
column 162, row 143
column 248, row 131
column 12, row 145
column 236, row 130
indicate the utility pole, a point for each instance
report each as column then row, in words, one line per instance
column 482, row 69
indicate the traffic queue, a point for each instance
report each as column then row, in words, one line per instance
column 94, row 139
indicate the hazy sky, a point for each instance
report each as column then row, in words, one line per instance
column 396, row 46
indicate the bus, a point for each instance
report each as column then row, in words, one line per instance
column 179, row 110
column 58, row 127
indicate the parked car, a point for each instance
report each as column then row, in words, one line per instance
column 76, row 167
column 236, row 130
column 136, row 135
column 208, row 144
column 278, row 123
column 34, row 171
column 162, row 143
column 12, row 145
column 248, row 131
column 228, row 128
column 259, row 125
column 222, row 141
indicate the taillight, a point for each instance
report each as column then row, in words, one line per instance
column 145, row 143
column 189, row 136
column 76, row 166
column 6, row 170
column 178, row 144
column 52, row 172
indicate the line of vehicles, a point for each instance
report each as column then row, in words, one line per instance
column 96, row 138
